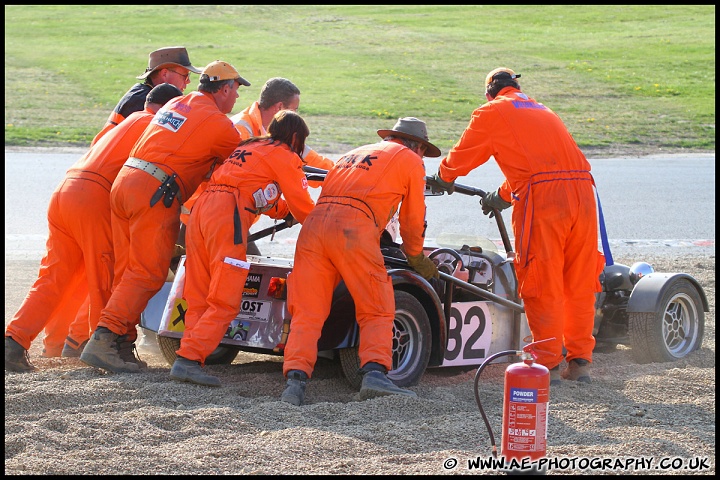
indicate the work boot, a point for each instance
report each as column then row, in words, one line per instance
column 376, row 384
column 102, row 351
column 72, row 351
column 555, row 376
column 128, row 352
column 294, row 392
column 184, row 370
column 17, row 358
column 578, row 369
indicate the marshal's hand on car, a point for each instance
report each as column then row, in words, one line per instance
column 492, row 201
column 438, row 185
column 423, row 265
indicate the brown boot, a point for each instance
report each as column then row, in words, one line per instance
column 128, row 352
column 578, row 369
column 16, row 357
column 102, row 351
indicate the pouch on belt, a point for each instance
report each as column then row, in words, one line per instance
column 168, row 190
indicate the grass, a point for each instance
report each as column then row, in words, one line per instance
column 618, row 75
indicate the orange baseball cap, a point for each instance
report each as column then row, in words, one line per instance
column 218, row 70
column 492, row 74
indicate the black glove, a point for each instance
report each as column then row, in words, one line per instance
column 290, row 220
column 438, row 185
column 423, row 265
column 491, row 201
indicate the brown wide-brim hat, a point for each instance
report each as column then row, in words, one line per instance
column 167, row 57
column 412, row 129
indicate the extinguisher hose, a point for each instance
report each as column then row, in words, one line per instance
column 477, row 394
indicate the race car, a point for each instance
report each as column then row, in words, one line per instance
column 470, row 313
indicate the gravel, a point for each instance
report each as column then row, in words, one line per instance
column 68, row 418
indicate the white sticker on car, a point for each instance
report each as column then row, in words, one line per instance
column 255, row 310
column 469, row 334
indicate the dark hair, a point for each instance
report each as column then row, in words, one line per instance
column 276, row 90
column 500, row 81
column 411, row 144
column 163, row 93
column 212, row 87
column 152, row 77
column 283, row 126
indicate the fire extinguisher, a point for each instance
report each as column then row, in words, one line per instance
column 525, row 406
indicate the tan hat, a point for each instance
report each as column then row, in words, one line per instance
column 413, row 129
column 217, row 71
column 168, row 56
column 492, row 74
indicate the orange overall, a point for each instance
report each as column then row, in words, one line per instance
column 80, row 240
column 58, row 326
column 216, row 267
column 186, row 138
column 554, row 218
column 340, row 239
column 249, row 124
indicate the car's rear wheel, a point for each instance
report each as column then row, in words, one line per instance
column 412, row 342
column 222, row 355
column 671, row 332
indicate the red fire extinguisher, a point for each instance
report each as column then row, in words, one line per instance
column 525, row 406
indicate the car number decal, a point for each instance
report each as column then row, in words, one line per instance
column 255, row 310
column 469, row 334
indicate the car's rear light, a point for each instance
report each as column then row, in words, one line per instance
column 277, row 289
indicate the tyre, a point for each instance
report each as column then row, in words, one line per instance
column 412, row 343
column 223, row 354
column 671, row 332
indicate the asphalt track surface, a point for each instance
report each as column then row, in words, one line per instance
column 654, row 204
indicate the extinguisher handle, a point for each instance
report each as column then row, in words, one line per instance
column 529, row 349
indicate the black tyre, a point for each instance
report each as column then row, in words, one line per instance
column 671, row 332
column 223, row 355
column 411, row 345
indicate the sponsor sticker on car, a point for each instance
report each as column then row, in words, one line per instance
column 255, row 310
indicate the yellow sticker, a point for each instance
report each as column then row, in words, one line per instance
column 177, row 318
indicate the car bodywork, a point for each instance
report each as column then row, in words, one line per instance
column 471, row 312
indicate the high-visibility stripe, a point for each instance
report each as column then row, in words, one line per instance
column 245, row 125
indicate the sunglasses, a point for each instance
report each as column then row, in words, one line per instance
column 186, row 75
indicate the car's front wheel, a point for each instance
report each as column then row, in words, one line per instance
column 412, row 342
column 671, row 332
column 222, row 355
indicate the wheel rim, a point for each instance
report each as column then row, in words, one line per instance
column 680, row 325
column 405, row 341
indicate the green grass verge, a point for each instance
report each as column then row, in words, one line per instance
column 618, row 75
